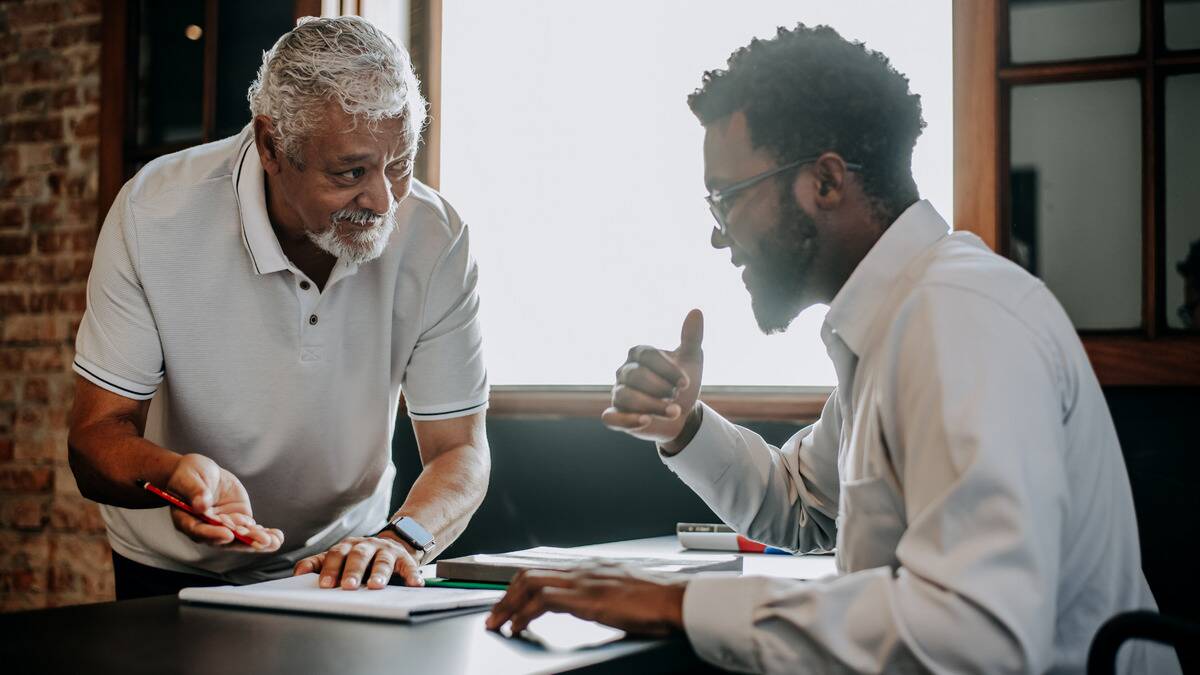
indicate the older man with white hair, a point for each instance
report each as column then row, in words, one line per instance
column 255, row 307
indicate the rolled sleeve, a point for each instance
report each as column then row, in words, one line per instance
column 118, row 346
column 446, row 376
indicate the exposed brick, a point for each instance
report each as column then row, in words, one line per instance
column 13, row 302
column 15, row 244
column 76, row 514
column 45, row 448
column 12, row 218
column 43, row 360
column 79, row 241
column 79, row 564
column 8, row 419
column 32, row 328
column 59, row 300
column 37, row 390
column 88, row 125
column 41, row 215
column 53, row 550
column 28, row 513
column 25, row 270
column 41, row 157
column 71, row 270
column 26, row 479
column 32, row 131
column 22, row 16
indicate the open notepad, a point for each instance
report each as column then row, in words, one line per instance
column 302, row 594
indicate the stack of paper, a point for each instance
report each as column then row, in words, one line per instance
column 502, row 568
column 302, row 594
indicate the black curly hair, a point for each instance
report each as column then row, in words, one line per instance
column 808, row 90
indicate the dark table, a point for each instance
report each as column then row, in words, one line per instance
column 163, row 635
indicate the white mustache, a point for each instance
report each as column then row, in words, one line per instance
column 358, row 216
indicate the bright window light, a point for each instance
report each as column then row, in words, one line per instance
column 568, row 147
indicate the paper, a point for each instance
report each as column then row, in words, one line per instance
column 302, row 594
column 563, row 632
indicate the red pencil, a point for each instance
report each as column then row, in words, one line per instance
column 179, row 504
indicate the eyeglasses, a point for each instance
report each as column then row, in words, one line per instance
column 721, row 201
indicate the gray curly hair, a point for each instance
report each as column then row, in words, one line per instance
column 343, row 59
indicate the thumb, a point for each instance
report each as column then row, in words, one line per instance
column 195, row 489
column 692, row 335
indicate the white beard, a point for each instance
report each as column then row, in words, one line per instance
column 355, row 245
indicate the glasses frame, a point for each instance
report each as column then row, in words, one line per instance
column 720, row 200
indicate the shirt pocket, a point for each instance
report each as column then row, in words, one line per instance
column 871, row 521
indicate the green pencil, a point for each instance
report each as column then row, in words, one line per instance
column 437, row 582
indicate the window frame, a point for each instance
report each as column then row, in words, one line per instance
column 1153, row 355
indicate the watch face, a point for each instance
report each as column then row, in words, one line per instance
column 413, row 533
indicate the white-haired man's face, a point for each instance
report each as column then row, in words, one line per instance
column 344, row 198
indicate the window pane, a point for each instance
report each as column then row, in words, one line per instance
column 170, row 72
column 1183, row 201
column 568, row 146
column 1181, row 19
column 247, row 29
column 1060, row 30
column 1076, row 196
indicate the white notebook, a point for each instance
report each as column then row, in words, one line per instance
column 302, row 594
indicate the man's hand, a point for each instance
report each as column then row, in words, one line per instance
column 609, row 595
column 656, row 390
column 346, row 563
column 209, row 489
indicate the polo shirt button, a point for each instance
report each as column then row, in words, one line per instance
column 312, row 320
column 304, row 285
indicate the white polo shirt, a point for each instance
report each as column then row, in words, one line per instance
column 192, row 302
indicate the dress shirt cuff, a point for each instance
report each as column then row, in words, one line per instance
column 718, row 619
column 710, row 453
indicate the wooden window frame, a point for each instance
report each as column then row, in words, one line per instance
column 118, row 87
column 983, row 79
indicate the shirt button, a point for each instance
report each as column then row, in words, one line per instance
column 304, row 285
column 312, row 320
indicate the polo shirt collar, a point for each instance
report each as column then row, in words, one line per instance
column 856, row 305
column 250, row 186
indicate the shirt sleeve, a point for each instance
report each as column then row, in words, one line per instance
column 973, row 421
column 785, row 497
column 445, row 376
column 117, row 346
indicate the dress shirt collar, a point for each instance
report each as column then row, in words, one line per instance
column 856, row 305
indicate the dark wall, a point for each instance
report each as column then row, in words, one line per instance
column 569, row 482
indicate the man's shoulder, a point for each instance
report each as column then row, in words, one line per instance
column 962, row 266
column 183, row 178
column 427, row 224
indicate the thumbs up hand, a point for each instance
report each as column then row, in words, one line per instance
column 657, row 390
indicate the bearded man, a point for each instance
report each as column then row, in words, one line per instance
column 255, row 307
column 965, row 469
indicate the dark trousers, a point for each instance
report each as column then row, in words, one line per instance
column 134, row 580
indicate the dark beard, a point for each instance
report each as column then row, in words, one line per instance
column 779, row 273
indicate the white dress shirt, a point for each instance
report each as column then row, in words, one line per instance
column 966, row 468
column 292, row 388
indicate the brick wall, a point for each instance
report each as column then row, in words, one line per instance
column 52, row 545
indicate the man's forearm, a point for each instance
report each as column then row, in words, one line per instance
column 447, row 493
column 108, row 458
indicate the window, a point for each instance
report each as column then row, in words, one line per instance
column 1078, row 159
column 566, row 143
